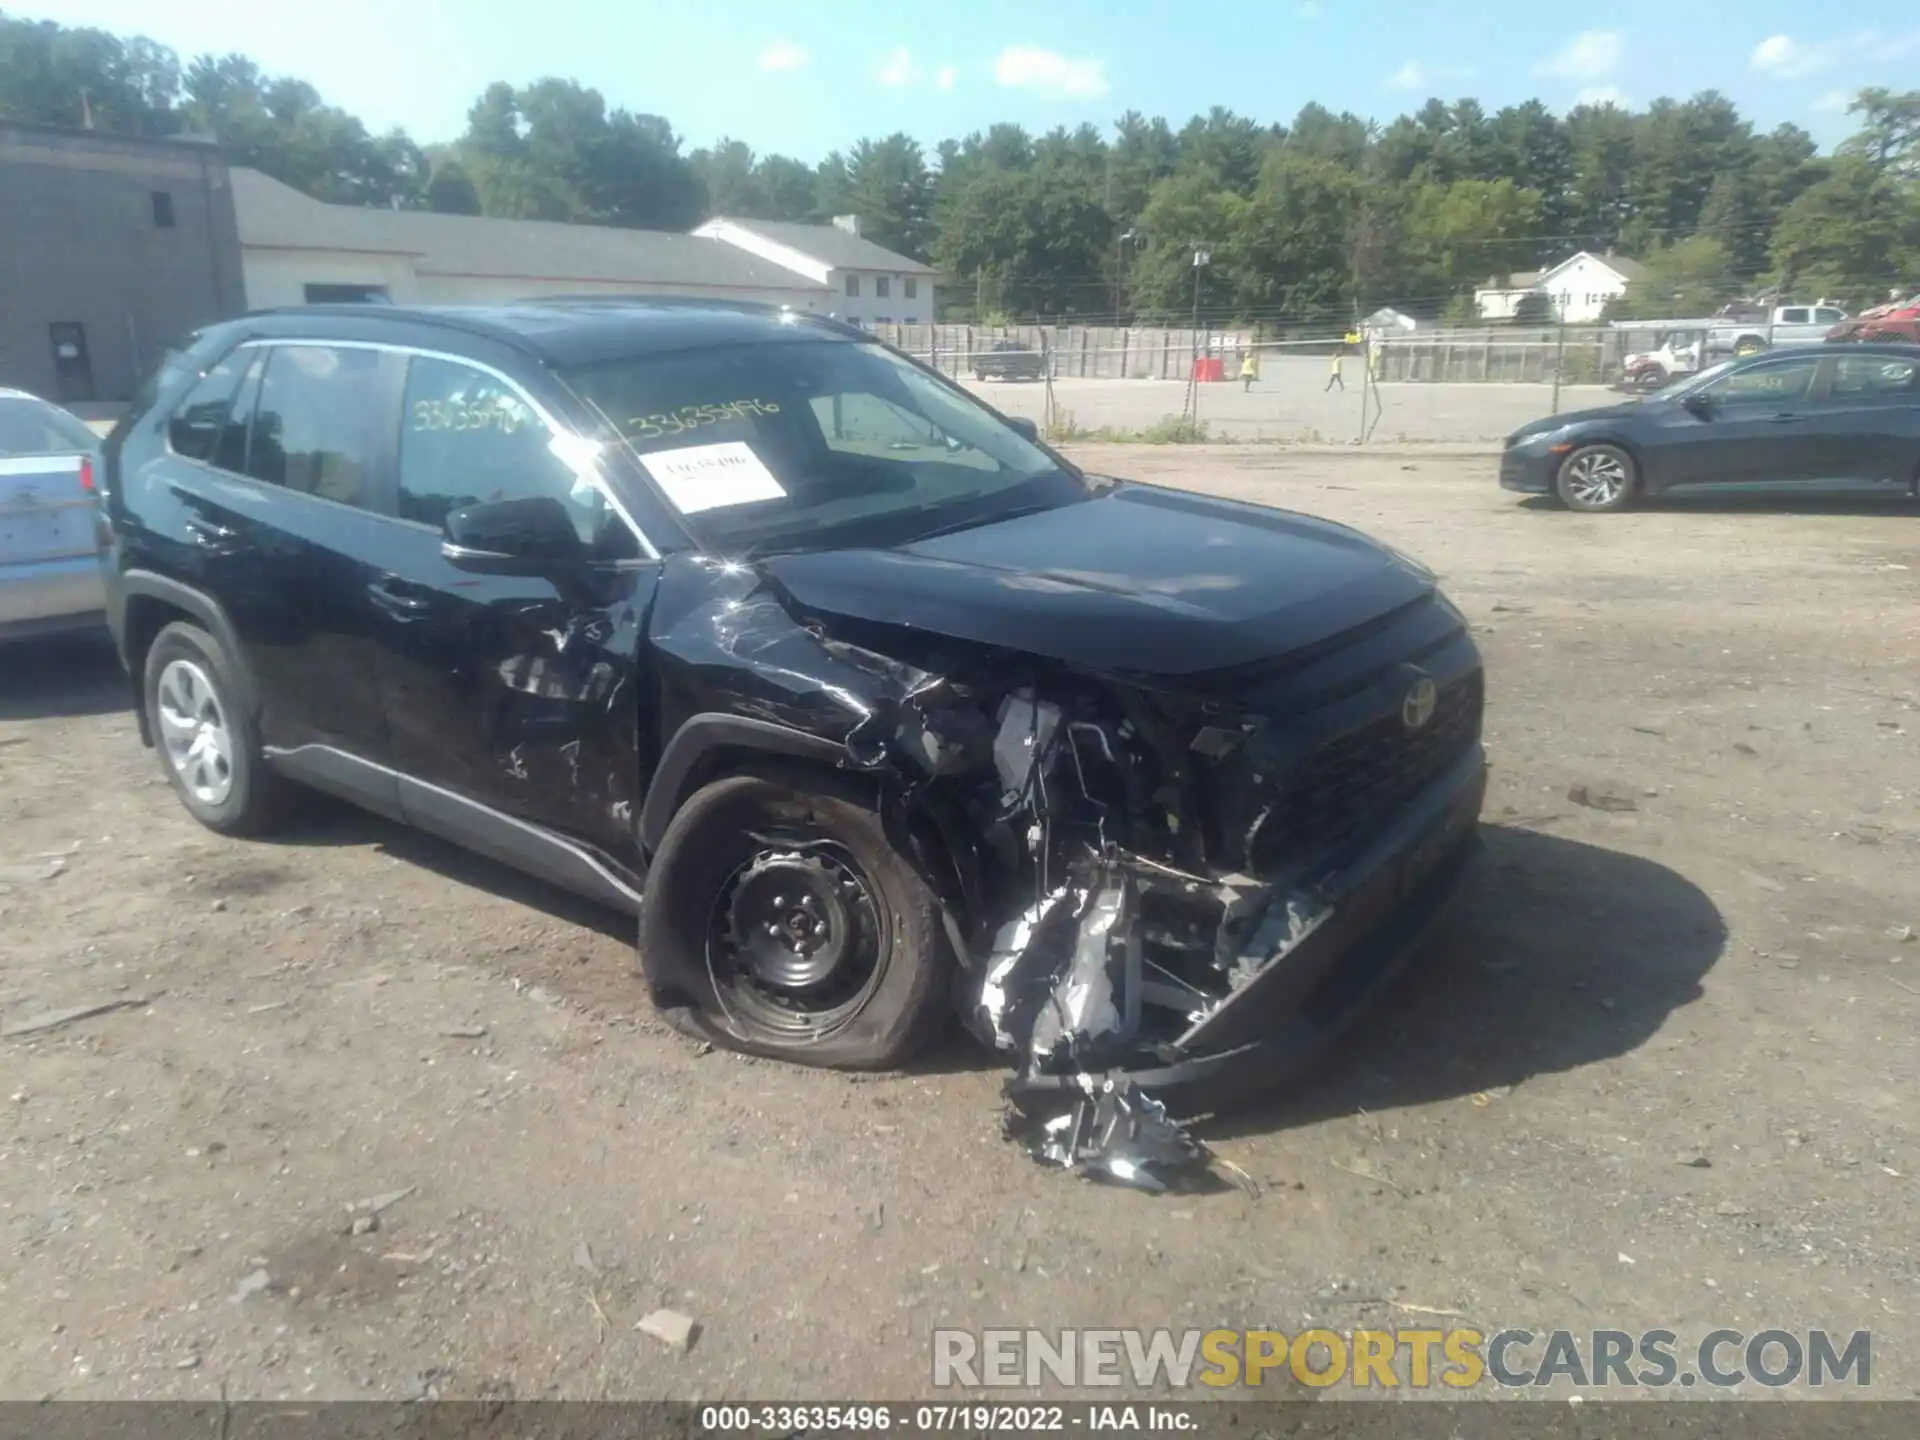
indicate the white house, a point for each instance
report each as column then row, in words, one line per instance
column 1575, row 291
column 868, row 282
column 295, row 250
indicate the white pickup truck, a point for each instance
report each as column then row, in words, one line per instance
column 1767, row 329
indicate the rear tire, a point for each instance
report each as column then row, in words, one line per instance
column 780, row 921
column 1749, row 345
column 1597, row 479
column 209, row 746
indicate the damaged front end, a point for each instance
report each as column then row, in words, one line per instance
column 1162, row 894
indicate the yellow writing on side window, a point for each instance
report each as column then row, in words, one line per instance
column 693, row 417
column 464, row 415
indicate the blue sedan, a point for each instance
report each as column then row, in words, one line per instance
column 1832, row 417
column 49, row 545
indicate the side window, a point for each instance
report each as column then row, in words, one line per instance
column 467, row 437
column 1858, row 377
column 230, row 451
column 194, row 430
column 1793, row 317
column 1767, row 385
column 853, row 284
column 1829, row 317
column 882, row 286
column 316, row 426
column 913, row 288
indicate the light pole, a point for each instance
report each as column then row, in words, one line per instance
column 1200, row 260
column 1120, row 270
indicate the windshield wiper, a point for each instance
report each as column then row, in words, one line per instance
column 974, row 522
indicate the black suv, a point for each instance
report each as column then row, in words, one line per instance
column 866, row 702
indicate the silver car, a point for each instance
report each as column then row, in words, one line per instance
column 49, row 546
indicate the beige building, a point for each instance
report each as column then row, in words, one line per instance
column 296, row 250
column 868, row 283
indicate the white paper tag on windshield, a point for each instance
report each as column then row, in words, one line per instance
column 707, row 477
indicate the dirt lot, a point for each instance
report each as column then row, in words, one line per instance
column 1659, row 1070
column 1291, row 403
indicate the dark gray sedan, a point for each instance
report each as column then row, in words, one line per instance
column 1805, row 418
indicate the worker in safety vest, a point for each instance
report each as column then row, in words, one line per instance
column 1249, row 370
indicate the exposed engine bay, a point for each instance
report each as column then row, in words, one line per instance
column 1119, row 860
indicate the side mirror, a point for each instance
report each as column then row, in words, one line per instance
column 513, row 537
column 1699, row 405
column 1023, row 427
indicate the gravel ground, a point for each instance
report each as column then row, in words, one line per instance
column 1658, row 1070
column 1290, row 402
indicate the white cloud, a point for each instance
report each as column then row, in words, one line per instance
column 1834, row 100
column 783, row 55
column 1782, row 54
column 1588, row 56
column 1602, row 95
column 1786, row 58
column 948, row 74
column 1415, row 76
column 1409, row 76
column 1048, row 73
column 898, row 71
column 1308, row 9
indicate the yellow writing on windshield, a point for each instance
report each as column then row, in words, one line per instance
column 694, row 417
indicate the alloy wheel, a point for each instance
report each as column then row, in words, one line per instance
column 1596, row 479
column 194, row 731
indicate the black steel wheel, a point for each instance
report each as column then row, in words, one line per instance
column 794, row 941
column 779, row 919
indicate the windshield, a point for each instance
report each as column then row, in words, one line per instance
column 1689, row 383
column 815, row 443
column 29, row 427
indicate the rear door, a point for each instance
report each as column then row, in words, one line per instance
column 46, row 513
column 277, row 490
column 518, row 694
column 1868, row 420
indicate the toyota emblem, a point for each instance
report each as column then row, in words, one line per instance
column 1417, row 709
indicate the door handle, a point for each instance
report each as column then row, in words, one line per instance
column 1785, row 419
column 392, row 594
column 210, row 535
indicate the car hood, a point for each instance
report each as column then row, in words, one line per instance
column 1547, row 424
column 1138, row 580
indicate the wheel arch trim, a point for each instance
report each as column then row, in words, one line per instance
column 196, row 605
column 699, row 737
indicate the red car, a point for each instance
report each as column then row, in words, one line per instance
column 1897, row 322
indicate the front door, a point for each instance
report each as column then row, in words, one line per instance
column 1755, row 426
column 517, row 694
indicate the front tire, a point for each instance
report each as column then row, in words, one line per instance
column 1749, row 345
column 1596, row 479
column 779, row 920
column 209, row 745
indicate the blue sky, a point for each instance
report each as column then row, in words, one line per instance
column 807, row 76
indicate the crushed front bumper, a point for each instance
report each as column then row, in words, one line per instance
column 1383, row 902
